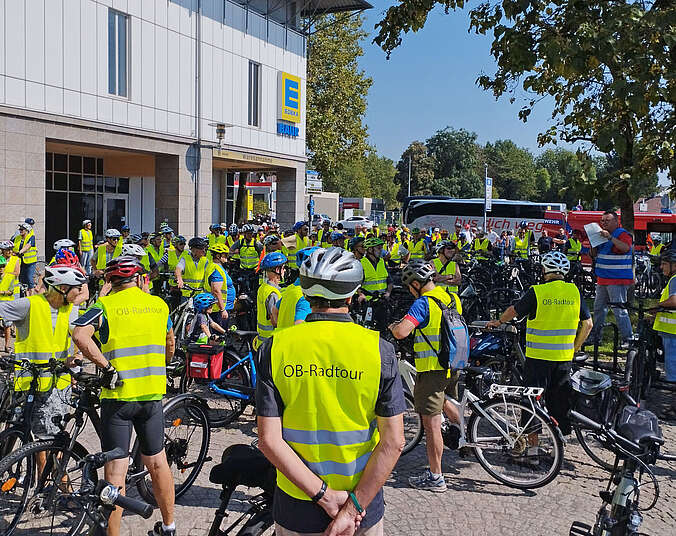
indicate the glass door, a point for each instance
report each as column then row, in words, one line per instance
column 114, row 211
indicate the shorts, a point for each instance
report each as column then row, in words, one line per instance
column 554, row 378
column 27, row 274
column 48, row 405
column 430, row 390
column 147, row 418
column 669, row 345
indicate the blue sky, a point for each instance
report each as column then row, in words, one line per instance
column 429, row 83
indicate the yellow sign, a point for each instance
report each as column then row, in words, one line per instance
column 249, row 203
column 289, row 101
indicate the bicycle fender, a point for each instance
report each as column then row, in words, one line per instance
column 542, row 412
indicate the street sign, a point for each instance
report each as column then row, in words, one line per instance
column 489, row 194
column 313, row 182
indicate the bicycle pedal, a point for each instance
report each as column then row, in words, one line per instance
column 580, row 529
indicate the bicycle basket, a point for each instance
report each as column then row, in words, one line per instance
column 590, row 390
column 205, row 361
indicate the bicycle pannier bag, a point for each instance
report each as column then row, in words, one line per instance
column 204, row 361
column 453, row 351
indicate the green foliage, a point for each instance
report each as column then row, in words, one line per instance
column 567, row 181
column 457, row 160
column 512, row 168
column 422, row 171
column 261, row 207
column 380, row 172
column 349, row 179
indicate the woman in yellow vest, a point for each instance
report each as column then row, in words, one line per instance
column 10, row 288
column 155, row 247
column 24, row 247
column 268, row 295
column 192, row 266
column 218, row 282
column 110, row 249
column 448, row 273
column 85, row 245
column 417, row 246
column 574, row 246
column 665, row 325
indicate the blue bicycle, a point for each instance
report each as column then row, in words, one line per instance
column 230, row 394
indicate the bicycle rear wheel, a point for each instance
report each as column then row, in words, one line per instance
column 36, row 482
column 413, row 427
column 589, row 441
column 186, row 443
column 536, row 455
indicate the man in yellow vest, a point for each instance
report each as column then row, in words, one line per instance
column 214, row 237
column 247, row 248
column 24, row 247
column 125, row 231
column 301, row 231
column 155, row 247
column 292, row 307
column 448, row 273
column 665, row 325
column 10, row 288
column 417, row 247
column 554, row 310
column 268, row 294
column 338, row 240
column 110, row 249
column 192, row 266
column 331, row 461
column 171, row 255
column 481, row 245
column 85, row 245
column 137, row 340
column 574, row 249
column 657, row 247
column 376, row 277
column 324, row 234
column 43, row 324
column 233, row 236
column 432, row 380
column 394, row 250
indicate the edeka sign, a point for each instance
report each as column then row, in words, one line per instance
column 287, row 130
column 289, row 98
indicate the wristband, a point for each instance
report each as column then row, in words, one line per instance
column 356, row 502
column 320, row 494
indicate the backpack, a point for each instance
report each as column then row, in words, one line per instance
column 453, row 351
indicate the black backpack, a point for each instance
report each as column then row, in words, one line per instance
column 454, row 344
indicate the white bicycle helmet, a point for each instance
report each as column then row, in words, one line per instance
column 26, row 226
column 85, row 222
column 248, row 228
column 555, row 262
column 112, row 233
column 63, row 243
column 133, row 249
column 270, row 239
column 233, row 229
column 6, row 244
column 331, row 273
column 63, row 275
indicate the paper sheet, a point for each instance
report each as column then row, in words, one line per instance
column 593, row 231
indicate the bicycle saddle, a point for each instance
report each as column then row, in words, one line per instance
column 640, row 426
column 244, row 334
column 244, row 465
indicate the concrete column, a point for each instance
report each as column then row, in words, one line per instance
column 166, row 190
column 290, row 196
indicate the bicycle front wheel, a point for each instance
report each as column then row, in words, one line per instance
column 413, row 427
column 515, row 444
column 590, row 443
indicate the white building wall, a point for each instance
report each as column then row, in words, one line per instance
column 55, row 59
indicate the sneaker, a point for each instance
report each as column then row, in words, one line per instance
column 159, row 531
column 428, row 482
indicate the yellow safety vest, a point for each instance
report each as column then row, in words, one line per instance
column 172, row 259
column 213, row 240
column 574, row 249
column 43, row 344
column 375, row 279
column 155, row 254
column 448, row 270
column 324, row 238
column 247, row 254
column 665, row 322
column 229, row 242
column 329, row 399
column 481, row 246
column 417, row 250
column 395, row 254
column 102, row 255
column 287, row 309
column 145, row 262
column 426, row 358
column 656, row 250
column 550, row 336
column 87, row 241
column 264, row 324
column 10, row 281
column 521, row 246
column 290, row 253
column 211, row 268
column 193, row 274
column 31, row 255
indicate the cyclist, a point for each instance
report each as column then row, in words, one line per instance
column 110, row 249
column 356, row 246
column 155, row 248
column 432, row 380
column 269, row 293
column 10, row 289
column 65, row 257
column 447, row 272
column 202, row 324
column 665, row 325
column 42, row 324
column 292, row 307
column 137, row 340
column 394, row 250
column 324, row 234
column 133, row 250
column 85, row 245
column 574, row 248
column 417, row 247
column 522, row 241
column 192, row 266
column 376, row 276
column 338, row 240
column 481, row 245
column 217, row 281
column 24, row 247
column 172, row 254
column 125, row 232
column 247, row 248
column 355, row 390
column 233, row 236
column 168, row 235
column 554, row 310
column 301, row 230
column 214, row 237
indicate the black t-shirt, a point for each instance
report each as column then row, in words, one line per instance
column 544, row 244
column 528, row 305
column 305, row 516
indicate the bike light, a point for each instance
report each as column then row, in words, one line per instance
column 8, row 485
column 109, row 494
column 176, row 422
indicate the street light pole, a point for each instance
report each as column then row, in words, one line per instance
column 409, row 175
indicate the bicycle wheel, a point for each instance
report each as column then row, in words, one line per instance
column 11, row 440
column 536, row 456
column 36, row 482
column 222, row 409
column 590, row 443
column 186, row 443
column 413, row 427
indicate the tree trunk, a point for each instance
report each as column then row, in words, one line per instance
column 627, row 207
column 241, row 212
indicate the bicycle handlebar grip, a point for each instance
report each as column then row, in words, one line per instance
column 585, row 420
column 134, row 505
column 667, row 457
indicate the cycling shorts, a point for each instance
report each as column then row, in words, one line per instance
column 147, row 418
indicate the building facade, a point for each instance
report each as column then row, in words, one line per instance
column 142, row 111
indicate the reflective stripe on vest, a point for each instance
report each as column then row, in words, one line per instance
column 287, row 309
column 329, row 399
column 31, row 255
column 265, row 327
column 611, row 265
column 449, row 270
column 550, row 336
column 137, row 327
column 665, row 322
column 574, row 249
column 9, row 281
column 43, row 344
column 418, row 250
column 247, row 254
column 375, row 279
column 193, row 274
column 425, row 356
column 521, row 246
column 87, row 240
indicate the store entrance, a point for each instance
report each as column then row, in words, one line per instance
column 115, row 211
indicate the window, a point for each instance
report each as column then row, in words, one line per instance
column 254, row 83
column 117, row 53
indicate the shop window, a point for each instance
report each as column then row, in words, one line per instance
column 60, row 162
column 89, row 165
column 75, row 164
column 74, row 182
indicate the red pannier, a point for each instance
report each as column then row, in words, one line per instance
column 205, row 361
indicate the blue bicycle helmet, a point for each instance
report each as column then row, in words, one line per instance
column 135, row 238
column 214, row 226
column 298, row 225
column 335, row 235
column 203, row 301
column 272, row 260
column 304, row 253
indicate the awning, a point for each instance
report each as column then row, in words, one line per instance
column 312, row 8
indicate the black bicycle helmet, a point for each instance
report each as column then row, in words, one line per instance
column 198, row 243
column 417, row 270
column 668, row 256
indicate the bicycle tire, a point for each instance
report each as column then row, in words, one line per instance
column 586, row 444
column 257, row 524
column 180, row 409
column 9, row 439
column 512, row 460
column 8, row 466
column 413, row 427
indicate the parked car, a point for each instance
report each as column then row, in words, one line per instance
column 319, row 219
column 352, row 222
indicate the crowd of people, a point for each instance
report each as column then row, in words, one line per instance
column 334, row 438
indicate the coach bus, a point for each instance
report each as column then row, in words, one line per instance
column 445, row 212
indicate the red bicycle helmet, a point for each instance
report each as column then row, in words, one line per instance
column 123, row 267
column 66, row 256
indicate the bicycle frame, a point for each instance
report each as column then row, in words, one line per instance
column 235, row 390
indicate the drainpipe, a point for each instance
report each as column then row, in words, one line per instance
column 198, row 108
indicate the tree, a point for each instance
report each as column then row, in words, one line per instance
column 261, row 207
column 380, row 172
column 349, row 179
column 512, row 168
column 608, row 65
column 568, row 179
column 336, row 95
column 422, row 171
column 457, row 159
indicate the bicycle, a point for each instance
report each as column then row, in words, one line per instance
column 636, row 444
